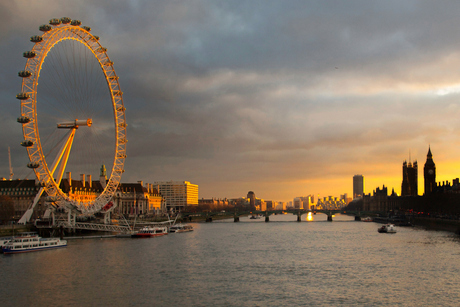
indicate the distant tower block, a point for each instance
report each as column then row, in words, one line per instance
column 358, row 186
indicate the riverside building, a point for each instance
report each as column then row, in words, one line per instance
column 409, row 186
column 22, row 194
column 358, row 186
column 178, row 195
column 137, row 199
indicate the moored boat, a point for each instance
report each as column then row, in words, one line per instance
column 181, row 228
column 148, row 232
column 3, row 241
column 367, row 219
column 387, row 228
column 31, row 242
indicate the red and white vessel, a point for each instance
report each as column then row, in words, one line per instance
column 148, row 232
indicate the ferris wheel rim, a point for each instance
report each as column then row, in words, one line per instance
column 60, row 30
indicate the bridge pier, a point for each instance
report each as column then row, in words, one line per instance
column 236, row 219
column 267, row 219
column 208, row 219
column 299, row 217
column 329, row 217
column 357, row 218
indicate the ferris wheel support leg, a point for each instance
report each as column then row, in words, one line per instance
column 107, row 218
column 64, row 152
column 53, row 217
column 71, row 218
column 26, row 217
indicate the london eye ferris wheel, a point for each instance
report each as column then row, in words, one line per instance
column 72, row 112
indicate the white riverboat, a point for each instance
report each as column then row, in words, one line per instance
column 31, row 242
column 387, row 228
column 180, row 228
column 3, row 241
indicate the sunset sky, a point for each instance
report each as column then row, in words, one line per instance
column 283, row 98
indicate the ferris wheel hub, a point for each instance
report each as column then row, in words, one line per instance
column 75, row 124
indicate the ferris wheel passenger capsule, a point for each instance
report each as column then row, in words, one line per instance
column 55, row 21
column 29, row 54
column 101, row 49
column 22, row 96
column 27, row 143
column 86, row 28
column 24, row 120
column 66, row 20
column 45, row 28
column 75, row 22
column 36, row 39
column 33, row 165
column 24, row 74
column 95, row 37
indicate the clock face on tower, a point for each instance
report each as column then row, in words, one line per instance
column 431, row 172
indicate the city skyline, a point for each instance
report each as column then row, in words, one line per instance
column 283, row 98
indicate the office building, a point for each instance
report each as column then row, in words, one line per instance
column 358, row 186
column 178, row 194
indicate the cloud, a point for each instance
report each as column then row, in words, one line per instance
column 283, row 98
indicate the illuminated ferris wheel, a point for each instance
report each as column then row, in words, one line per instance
column 72, row 112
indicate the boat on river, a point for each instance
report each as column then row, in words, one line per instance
column 31, row 242
column 367, row 219
column 387, row 228
column 181, row 228
column 149, row 231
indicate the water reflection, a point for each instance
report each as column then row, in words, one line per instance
column 250, row 263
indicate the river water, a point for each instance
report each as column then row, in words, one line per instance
column 250, row 263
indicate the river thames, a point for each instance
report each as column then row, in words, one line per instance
column 250, row 263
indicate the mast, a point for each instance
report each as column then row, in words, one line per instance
column 11, row 167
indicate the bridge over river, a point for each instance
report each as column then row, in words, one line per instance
column 64, row 226
column 188, row 216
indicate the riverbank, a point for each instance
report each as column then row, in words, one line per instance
column 9, row 230
column 437, row 224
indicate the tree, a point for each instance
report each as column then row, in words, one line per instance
column 6, row 209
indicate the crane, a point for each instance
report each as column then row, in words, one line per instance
column 11, row 167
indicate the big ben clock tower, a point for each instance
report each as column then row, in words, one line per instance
column 429, row 172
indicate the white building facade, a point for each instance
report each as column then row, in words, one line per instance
column 178, row 194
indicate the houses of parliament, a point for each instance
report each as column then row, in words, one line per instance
column 409, row 186
column 437, row 198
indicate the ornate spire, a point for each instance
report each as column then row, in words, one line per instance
column 103, row 171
